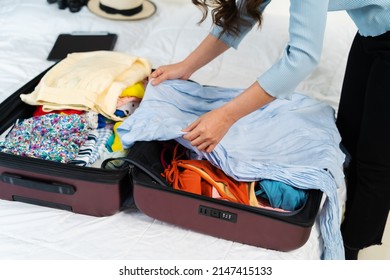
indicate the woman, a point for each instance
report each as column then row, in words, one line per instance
column 363, row 117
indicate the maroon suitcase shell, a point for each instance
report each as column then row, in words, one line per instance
column 84, row 190
column 232, row 221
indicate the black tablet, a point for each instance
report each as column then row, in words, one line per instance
column 81, row 42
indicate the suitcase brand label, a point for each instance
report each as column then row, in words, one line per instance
column 216, row 213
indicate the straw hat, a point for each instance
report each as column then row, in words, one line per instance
column 122, row 9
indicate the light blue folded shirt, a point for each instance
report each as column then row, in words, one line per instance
column 294, row 141
column 306, row 34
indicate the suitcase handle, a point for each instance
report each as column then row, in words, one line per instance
column 37, row 185
column 133, row 163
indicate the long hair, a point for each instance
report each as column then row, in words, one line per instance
column 226, row 13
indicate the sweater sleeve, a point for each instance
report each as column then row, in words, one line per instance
column 302, row 52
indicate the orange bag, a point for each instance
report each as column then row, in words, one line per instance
column 200, row 177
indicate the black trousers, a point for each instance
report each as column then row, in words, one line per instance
column 363, row 120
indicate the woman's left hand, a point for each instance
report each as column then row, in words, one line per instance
column 208, row 130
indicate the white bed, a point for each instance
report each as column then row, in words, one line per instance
column 28, row 29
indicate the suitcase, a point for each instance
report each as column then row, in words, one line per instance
column 104, row 191
column 282, row 231
column 84, row 190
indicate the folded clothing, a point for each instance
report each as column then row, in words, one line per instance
column 89, row 81
column 281, row 195
column 51, row 137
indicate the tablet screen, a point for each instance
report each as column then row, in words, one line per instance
column 69, row 43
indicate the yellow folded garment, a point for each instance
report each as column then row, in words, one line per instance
column 117, row 144
column 136, row 90
column 89, row 81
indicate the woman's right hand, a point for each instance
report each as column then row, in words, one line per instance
column 169, row 72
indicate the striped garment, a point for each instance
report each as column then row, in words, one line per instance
column 91, row 150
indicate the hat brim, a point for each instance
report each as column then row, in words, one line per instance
column 148, row 9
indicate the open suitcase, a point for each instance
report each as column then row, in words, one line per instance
column 84, row 190
column 283, row 231
column 103, row 191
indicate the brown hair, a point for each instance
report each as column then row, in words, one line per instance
column 226, row 13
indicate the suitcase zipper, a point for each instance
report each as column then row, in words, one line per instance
column 62, row 170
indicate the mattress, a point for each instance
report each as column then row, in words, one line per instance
column 28, row 29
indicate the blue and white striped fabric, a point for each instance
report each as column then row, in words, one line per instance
column 292, row 141
column 93, row 147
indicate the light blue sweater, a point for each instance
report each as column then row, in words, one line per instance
column 307, row 27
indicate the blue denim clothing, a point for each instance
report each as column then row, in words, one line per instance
column 292, row 141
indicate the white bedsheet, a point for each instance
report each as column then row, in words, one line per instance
column 28, row 29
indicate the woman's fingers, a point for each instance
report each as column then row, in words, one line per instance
column 196, row 136
column 158, row 76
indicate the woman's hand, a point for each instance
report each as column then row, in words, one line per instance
column 207, row 50
column 169, row 72
column 208, row 130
